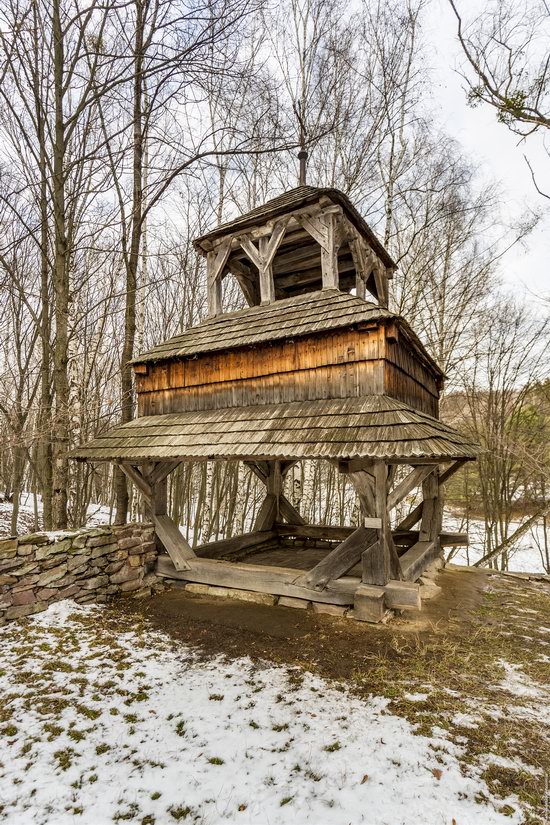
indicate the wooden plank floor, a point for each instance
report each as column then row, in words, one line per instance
column 300, row 559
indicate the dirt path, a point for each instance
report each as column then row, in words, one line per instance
column 331, row 646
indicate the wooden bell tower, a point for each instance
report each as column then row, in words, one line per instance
column 316, row 367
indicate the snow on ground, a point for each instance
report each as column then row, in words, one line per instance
column 97, row 514
column 111, row 724
column 525, row 557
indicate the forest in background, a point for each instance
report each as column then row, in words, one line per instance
column 129, row 128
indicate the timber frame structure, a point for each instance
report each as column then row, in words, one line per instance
column 306, row 371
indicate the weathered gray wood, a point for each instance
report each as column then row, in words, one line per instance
column 329, row 255
column 453, row 539
column 413, row 518
column 279, row 581
column 450, row 471
column 285, row 509
column 415, row 560
column 402, row 595
column 364, row 485
column 289, row 512
column 235, row 545
column 314, row 531
column 369, row 604
column 176, row 546
column 162, row 470
column 340, row 560
column 214, row 268
column 137, row 478
column 412, row 480
column 267, row 514
column 410, row 537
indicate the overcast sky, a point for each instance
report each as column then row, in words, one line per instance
column 496, row 150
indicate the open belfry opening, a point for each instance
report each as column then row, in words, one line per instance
column 316, row 367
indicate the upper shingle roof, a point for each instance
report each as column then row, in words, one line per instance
column 295, row 199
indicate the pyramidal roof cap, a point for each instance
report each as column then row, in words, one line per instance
column 287, row 202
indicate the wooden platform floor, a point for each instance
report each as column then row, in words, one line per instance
column 301, row 559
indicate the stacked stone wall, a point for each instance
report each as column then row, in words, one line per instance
column 89, row 565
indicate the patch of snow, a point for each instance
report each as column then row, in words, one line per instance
column 415, row 697
column 97, row 515
column 465, row 720
column 525, row 557
column 518, row 683
column 110, row 725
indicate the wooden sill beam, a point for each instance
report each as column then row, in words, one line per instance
column 280, row 581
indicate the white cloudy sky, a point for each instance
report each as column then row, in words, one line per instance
column 498, row 152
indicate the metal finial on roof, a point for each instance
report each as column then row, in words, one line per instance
column 302, row 157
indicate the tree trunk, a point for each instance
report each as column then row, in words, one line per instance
column 132, row 259
column 60, row 428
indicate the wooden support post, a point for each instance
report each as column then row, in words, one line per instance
column 262, row 257
column 329, row 254
column 381, row 563
column 215, row 264
column 152, row 481
column 428, row 546
column 364, row 485
column 270, row 509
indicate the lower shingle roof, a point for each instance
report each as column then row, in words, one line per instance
column 372, row 427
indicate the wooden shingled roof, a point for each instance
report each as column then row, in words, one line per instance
column 311, row 313
column 296, row 198
column 372, row 427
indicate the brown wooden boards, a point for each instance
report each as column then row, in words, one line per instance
column 235, row 545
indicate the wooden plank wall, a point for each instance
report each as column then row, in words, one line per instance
column 342, row 364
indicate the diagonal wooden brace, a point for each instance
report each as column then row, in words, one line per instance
column 286, row 510
column 340, row 560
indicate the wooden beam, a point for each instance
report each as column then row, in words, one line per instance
column 381, row 282
column 415, row 560
column 235, row 545
column 317, row 228
column 246, row 280
column 314, row 531
column 450, row 471
column 176, row 545
column 280, row 581
column 289, row 512
column 412, row 480
column 267, row 514
column 137, row 478
column 329, row 255
column 286, row 509
column 215, row 263
column 413, row 518
column 162, row 470
column 402, row 595
column 340, row 560
column 262, row 257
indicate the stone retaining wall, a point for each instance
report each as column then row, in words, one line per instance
column 88, row 566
